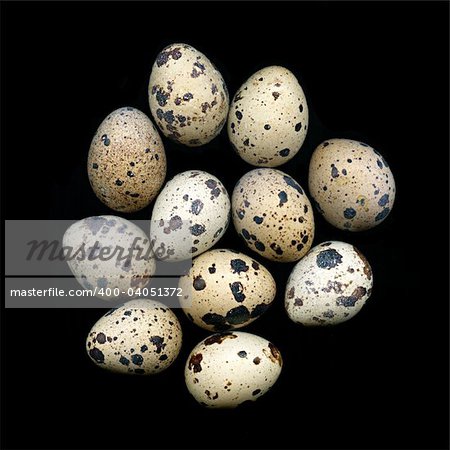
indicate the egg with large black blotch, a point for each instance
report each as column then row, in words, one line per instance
column 329, row 285
column 226, row 289
column 141, row 337
column 187, row 95
column 351, row 184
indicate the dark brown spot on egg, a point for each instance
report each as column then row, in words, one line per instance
column 219, row 338
column 194, row 362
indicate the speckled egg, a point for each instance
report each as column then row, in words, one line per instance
column 329, row 285
column 107, row 253
column 190, row 215
column 127, row 161
column 268, row 118
column 228, row 369
column 273, row 215
column 351, row 184
column 225, row 290
column 187, row 94
column 140, row 337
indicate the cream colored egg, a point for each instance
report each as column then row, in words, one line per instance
column 329, row 285
column 140, row 337
column 228, row 369
column 109, row 255
column 351, row 184
column 273, row 215
column 188, row 97
column 190, row 215
column 127, row 161
column 268, row 118
column 225, row 290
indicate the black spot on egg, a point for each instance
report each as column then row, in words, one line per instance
column 349, row 213
column 350, row 301
column 276, row 248
column 124, row 361
column 245, row 234
column 334, row 171
column 197, row 229
column 238, row 266
column 137, row 360
column 238, row 291
column 196, row 207
column 199, row 283
column 384, row 200
column 158, row 342
column 105, row 140
column 238, row 315
column 283, row 198
column 258, row 310
column 216, row 320
column 260, row 246
column 97, row 355
column 328, row 259
column 290, row 182
column 382, row 215
column 101, row 338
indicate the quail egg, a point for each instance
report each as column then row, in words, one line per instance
column 190, row 215
column 329, row 285
column 188, row 97
column 268, row 118
column 140, row 337
column 226, row 289
column 109, row 255
column 127, row 161
column 273, row 215
column 226, row 370
column 351, row 184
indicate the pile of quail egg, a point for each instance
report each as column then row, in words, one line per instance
column 350, row 185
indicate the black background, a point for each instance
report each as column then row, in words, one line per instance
column 377, row 72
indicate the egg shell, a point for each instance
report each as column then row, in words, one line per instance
column 226, row 289
column 187, row 95
column 140, row 337
column 329, row 285
column 273, row 215
column 190, row 215
column 228, row 369
column 127, row 161
column 109, row 253
column 351, row 184
column 268, row 118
